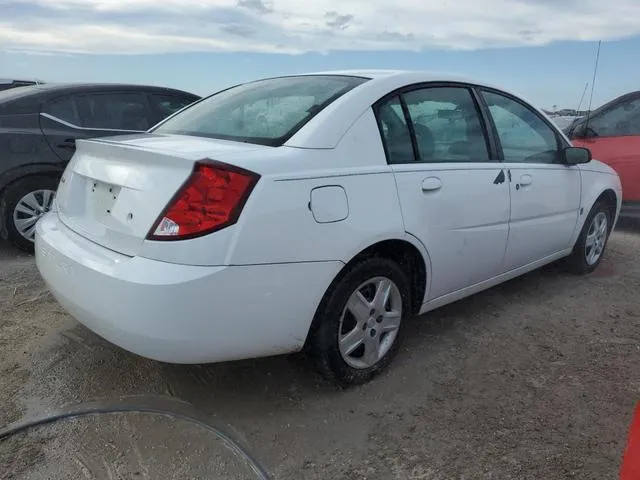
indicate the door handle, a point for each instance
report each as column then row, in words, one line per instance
column 431, row 184
column 525, row 180
column 69, row 144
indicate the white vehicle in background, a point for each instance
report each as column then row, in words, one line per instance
column 374, row 197
column 8, row 83
column 564, row 122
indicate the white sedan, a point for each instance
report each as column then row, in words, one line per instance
column 317, row 212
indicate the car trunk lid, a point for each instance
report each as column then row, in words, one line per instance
column 113, row 190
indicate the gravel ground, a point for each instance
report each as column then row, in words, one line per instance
column 535, row 379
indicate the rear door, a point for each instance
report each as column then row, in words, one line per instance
column 452, row 188
column 613, row 136
column 90, row 115
column 545, row 192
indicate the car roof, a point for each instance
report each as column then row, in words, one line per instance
column 81, row 87
column 327, row 128
column 28, row 99
column 429, row 76
column 47, row 91
column 409, row 77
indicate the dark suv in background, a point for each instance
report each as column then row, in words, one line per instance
column 39, row 125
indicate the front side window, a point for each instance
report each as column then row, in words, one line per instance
column 525, row 137
column 621, row 120
column 265, row 112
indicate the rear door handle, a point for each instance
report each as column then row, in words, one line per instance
column 431, row 184
column 525, row 180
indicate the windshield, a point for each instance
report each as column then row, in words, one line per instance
column 266, row 112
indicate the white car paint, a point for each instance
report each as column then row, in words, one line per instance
column 327, row 194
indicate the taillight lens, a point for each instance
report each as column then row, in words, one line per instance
column 212, row 198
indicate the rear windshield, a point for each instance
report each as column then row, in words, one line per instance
column 266, row 112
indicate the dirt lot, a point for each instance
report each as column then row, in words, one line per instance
column 536, row 379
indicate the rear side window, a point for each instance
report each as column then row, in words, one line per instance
column 447, row 125
column 441, row 125
column 395, row 132
column 266, row 112
column 114, row 111
column 621, row 120
column 63, row 108
column 168, row 104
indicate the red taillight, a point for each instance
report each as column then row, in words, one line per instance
column 211, row 199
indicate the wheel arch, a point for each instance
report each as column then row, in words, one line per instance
column 410, row 255
column 11, row 176
column 612, row 201
column 598, row 185
column 14, row 175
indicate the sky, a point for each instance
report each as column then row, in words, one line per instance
column 542, row 49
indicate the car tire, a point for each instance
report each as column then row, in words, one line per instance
column 594, row 235
column 14, row 194
column 373, row 327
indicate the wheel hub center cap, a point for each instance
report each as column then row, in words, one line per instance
column 375, row 319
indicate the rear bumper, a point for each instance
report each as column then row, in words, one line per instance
column 180, row 313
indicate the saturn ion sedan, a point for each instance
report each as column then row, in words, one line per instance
column 317, row 213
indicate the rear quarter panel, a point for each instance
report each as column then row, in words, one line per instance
column 23, row 145
column 278, row 225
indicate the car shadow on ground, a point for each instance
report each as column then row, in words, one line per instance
column 628, row 225
column 9, row 252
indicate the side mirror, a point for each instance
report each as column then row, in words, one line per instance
column 577, row 155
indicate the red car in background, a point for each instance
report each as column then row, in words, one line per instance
column 612, row 133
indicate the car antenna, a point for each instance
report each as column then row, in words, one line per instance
column 593, row 85
column 582, row 97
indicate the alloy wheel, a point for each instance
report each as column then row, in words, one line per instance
column 596, row 238
column 29, row 210
column 370, row 322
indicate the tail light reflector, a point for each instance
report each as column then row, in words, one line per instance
column 211, row 199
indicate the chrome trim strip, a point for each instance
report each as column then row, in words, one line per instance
column 76, row 127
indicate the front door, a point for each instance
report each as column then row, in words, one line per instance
column 545, row 192
column 453, row 192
